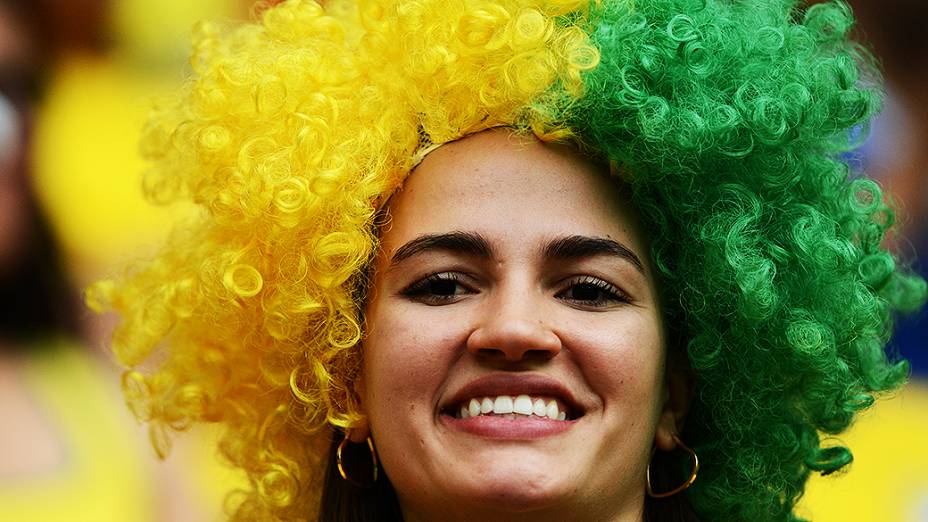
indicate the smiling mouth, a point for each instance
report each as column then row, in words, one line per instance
column 512, row 407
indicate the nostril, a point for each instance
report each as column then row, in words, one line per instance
column 491, row 353
column 539, row 354
column 503, row 338
column 532, row 354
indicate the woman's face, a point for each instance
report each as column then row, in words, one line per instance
column 512, row 285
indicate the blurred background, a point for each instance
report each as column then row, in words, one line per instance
column 76, row 80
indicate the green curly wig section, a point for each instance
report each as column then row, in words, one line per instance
column 727, row 120
column 731, row 118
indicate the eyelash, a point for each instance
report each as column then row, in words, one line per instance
column 424, row 291
column 609, row 293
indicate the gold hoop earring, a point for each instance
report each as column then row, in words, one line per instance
column 341, row 467
column 689, row 482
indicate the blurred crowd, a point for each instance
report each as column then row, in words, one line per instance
column 76, row 80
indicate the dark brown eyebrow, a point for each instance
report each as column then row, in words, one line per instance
column 469, row 243
column 578, row 247
column 474, row 244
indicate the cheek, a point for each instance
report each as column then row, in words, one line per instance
column 406, row 359
column 622, row 359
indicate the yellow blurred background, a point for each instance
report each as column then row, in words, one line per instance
column 77, row 78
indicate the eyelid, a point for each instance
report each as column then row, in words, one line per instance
column 417, row 290
column 617, row 294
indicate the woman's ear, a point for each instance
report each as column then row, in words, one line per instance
column 679, row 382
column 359, row 429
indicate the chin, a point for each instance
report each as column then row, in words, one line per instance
column 519, row 489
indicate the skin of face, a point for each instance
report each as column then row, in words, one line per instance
column 443, row 314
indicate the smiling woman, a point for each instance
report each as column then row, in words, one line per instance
column 521, row 258
column 511, row 260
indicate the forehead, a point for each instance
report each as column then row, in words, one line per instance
column 510, row 187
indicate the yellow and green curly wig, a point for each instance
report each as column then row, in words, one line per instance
column 730, row 119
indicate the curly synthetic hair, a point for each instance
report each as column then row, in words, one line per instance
column 728, row 120
column 732, row 118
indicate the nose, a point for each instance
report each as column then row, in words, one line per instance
column 513, row 328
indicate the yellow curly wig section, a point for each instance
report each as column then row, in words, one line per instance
column 291, row 132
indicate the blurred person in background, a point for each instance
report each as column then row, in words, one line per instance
column 890, row 457
column 63, row 448
column 32, row 284
column 69, row 103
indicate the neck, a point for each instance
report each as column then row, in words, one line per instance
column 497, row 511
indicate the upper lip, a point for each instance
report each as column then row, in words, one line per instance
column 514, row 384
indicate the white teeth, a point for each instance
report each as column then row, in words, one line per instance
column 474, row 407
column 551, row 411
column 522, row 405
column 539, row 408
column 503, row 404
column 512, row 407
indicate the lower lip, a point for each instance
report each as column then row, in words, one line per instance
column 495, row 427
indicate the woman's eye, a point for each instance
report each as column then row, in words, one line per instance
column 438, row 288
column 593, row 292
